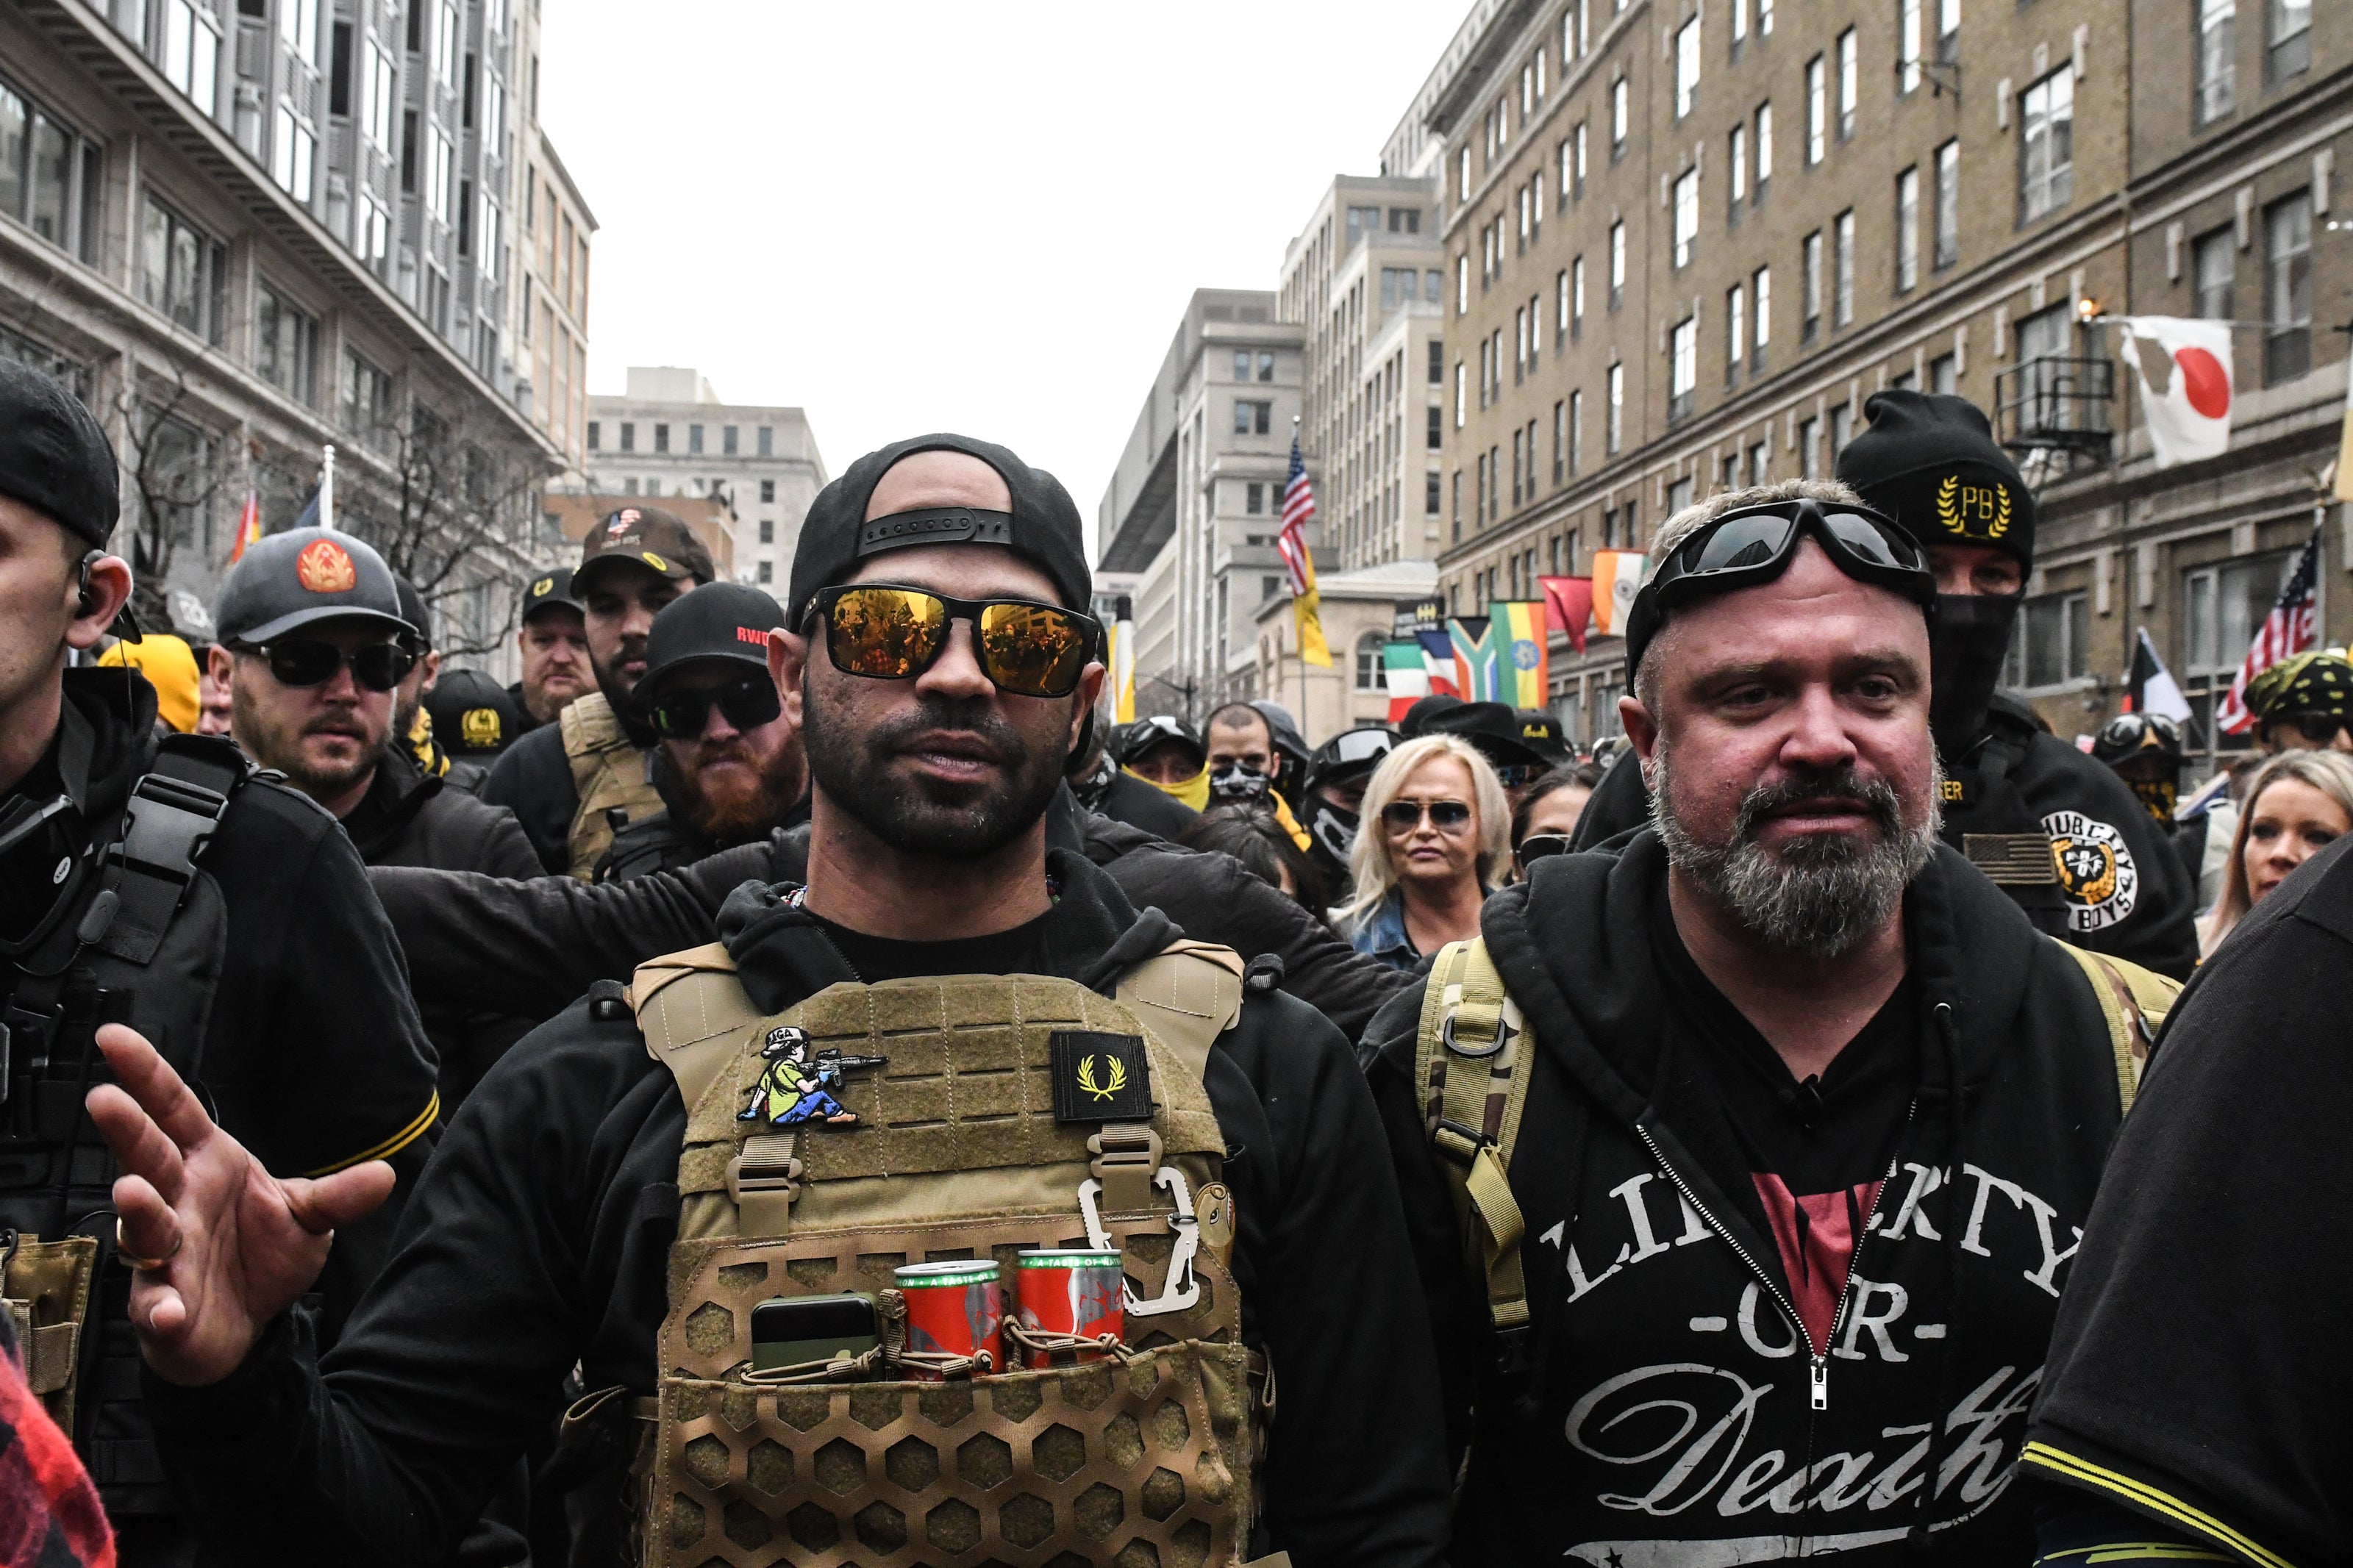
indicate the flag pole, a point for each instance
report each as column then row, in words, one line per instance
column 327, row 488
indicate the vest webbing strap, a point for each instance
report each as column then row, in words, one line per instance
column 2135, row 1003
column 1472, row 1040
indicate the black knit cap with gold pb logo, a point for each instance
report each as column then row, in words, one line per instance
column 1929, row 461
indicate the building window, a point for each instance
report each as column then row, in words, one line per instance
column 1266, row 361
column 1254, row 498
column 192, row 48
column 1363, row 221
column 440, row 175
column 1763, row 150
column 1812, row 277
column 727, row 449
column 285, row 345
column 1810, row 461
column 1907, row 46
column 2223, row 605
column 49, row 176
column 2214, row 268
column 1850, row 84
column 1841, row 430
column 1577, row 298
column 1949, row 204
column 1761, row 461
column 1577, row 141
column 1615, row 435
column 1685, row 351
column 768, row 530
column 2214, row 59
column 1945, row 375
column 2289, row 50
column 1430, row 495
column 629, row 436
column 1686, row 67
column 1686, row 216
column 1737, row 160
column 1818, row 109
column 1517, row 459
column 182, row 271
column 1621, row 106
column 1617, row 264
column 1434, row 437
column 1948, row 31
column 1460, row 393
column 2047, row 648
column 1908, row 229
column 1842, row 307
column 1371, row 675
column 768, row 440
column 2287, row 287
column 1242, row 358
column 366, row 400
column 292, row 152
column 1576, row 430
column 694, row 440
column 661, row 438
column 595, row 436
column 2046, row 157
column 768, row 492
column 767, row 571
column 1736, row 330
column 1760, row 284
column 1679, row 494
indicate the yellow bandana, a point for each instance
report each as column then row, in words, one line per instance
column 1194, row 792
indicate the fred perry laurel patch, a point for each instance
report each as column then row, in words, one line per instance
column 1100, row 1077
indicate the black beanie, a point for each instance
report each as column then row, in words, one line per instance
column 1929, row 461
column 1043, row 526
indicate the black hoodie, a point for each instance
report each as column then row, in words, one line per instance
column 539, row 1235
column 1674, row 1423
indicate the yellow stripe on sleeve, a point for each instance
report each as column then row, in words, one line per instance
column 390, row 1146
column 2142, row 1495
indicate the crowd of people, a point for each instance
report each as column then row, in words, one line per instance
column 628, row 1117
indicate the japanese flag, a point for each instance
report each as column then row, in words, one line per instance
column 2185, row 384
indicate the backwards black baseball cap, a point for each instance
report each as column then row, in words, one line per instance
column 1043, row 528
column 53, row 455
column 1929, row 461
column 416, row 612
column 287, row 580
column 646, row 536
column 727, row 622
column 549, row 591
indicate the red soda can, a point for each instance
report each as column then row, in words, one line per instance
column 953, row 1309
column 1078, row 1291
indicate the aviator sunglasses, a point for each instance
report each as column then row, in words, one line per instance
column 746, row 702
column 309, row 661
column 890, row 633
column 1405, row 815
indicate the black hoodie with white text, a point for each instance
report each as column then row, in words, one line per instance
column 1707, row 1388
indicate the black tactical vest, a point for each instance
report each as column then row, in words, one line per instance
column 143, row 944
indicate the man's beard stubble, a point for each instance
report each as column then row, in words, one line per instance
column 1823, row 894
column 277, row 745
column 954, row 822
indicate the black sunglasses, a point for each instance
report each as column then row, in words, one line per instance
column 888, row 632
column 2313, row 726
column 1755, row 544
column 1540, row 845
column 746, row 702
column 1512, row 776
column 309, row 661
column 1404, row 816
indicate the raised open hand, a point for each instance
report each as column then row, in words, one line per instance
column 233, row 1245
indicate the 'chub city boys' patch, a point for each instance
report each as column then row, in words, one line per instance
column 2095, row 870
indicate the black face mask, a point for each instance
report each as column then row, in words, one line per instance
column 2158, row 797
column 1334, row 828
column 1237, row 780
column 1966, row 649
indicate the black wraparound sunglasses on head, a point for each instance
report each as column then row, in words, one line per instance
column 746, row 702
column 313, row 661
column 888, row 632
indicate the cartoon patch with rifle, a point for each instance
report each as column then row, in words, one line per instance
column 797, row 1086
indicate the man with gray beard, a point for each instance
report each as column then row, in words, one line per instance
column 1746, row 1159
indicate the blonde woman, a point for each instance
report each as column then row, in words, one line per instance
column 1436, row 837
column 2297, row 803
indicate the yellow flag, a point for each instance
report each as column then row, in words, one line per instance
column 1311, row 647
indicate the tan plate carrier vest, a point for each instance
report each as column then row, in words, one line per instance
column 1147, row 1459
column 1473, row 1041
column 608, row 770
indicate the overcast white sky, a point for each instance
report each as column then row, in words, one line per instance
column 986, row 217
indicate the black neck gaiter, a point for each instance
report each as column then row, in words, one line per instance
column 1966, row 649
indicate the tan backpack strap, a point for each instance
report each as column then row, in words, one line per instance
column 590, row 729
column 692, row 1012
column 1471, row 1044
column 2134, row 1002
column 1188, row 994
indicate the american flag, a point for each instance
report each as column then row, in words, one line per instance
column 1298, row 509
column 2285, row 632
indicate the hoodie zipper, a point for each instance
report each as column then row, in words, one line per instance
column 1818, row 1361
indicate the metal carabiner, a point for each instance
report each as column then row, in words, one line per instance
column 1181, row 1290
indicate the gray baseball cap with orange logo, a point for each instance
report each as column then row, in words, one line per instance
column 645, row 536
column 285, row 581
